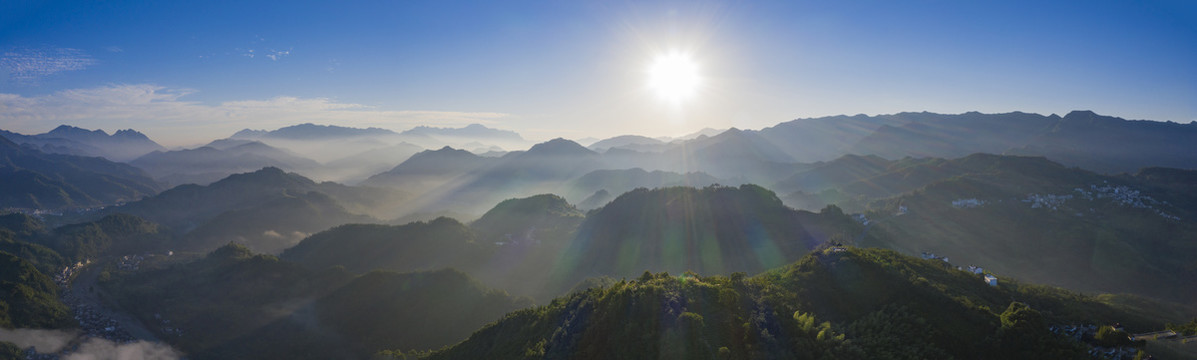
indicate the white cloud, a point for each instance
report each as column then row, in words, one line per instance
column 30, row 65
column 275, row 54
column 54, row 341
column 166, row 116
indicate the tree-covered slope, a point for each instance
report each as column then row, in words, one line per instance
column 715, row 230
column 835, row 304
column 36, row 180
column 235, row 304
column 361, row 248
column 28, row 298
column 1042, row 222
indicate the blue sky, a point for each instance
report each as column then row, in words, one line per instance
column 191, row 72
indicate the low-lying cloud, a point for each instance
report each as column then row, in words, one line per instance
column 72, row 346
column 166, row 116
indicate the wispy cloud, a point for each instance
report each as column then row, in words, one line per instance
column 275, row 54
column 166, row 115
column 30, row 65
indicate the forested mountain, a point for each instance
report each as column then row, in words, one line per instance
column 268, row 209
column 542, row 246
column 361, row 248
column 1041, row 222
column 28, row 298
column 36, row 180
column 712, row 230
column 657, row 261
column 834, row 304
column 236, row 304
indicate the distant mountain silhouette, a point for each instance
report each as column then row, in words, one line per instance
column 543, row 168
column 207, row 164
column 36, row 180
column 429, row 169
column 473, row 131
column 360, row 166
column 634, row 142
column 1081, row 138
column 733, row 153
column 621, row 181
column 949, row 136
column 1112, row 145
column 311, row 131
column 124, row 145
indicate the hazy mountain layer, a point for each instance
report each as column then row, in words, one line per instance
column 123, row 145
column 208, row 164
column 268, row 209
column 36, row 180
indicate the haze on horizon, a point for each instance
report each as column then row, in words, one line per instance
column 185, row 74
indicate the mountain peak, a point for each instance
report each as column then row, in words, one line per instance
column 559, row 146
column 67, row 130
column 130, row 134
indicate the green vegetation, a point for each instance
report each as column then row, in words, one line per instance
column 714, row 230
column 532, row 219
column 111, row 235
column 36, row 180
column 28, row 299
column 1033, row 224
column 1188, row 329
column 360, row 248
column 235, row 304
column 835, row 304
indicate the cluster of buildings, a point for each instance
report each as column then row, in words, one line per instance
column 989, row 278
column 1049, row 201
column 931, row 256
column 1125, row 196
column 64, row 276
column 967, row 203
column 94, row 323
column 1120, row 195
column 133, row 262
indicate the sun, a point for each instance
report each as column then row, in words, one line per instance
column 674, row 76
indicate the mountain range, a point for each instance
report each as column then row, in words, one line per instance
column 906, row 236
column 123, row 145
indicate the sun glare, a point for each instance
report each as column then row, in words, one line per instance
column 674, row 76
